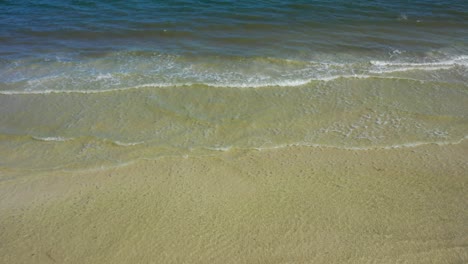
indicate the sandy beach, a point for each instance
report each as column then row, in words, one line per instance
column 235, row 132
column 287, row 205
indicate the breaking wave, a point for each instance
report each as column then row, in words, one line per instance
column 141, row 72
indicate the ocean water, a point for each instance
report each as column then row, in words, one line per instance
column 86, row 84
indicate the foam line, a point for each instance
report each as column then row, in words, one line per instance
column 53, row 139
column 295, row 83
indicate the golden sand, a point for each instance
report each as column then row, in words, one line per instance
column 290, row 205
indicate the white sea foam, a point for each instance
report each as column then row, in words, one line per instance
column 292, row 83
column 396, row 146
column 360, row 148
column 50, row 91
column 414, row 68
column 56, row 139
column 96, row 168
column 127, row 144
column 64, row 139
column 223, row 149
column 459, row 60
column 403, row 16
column 312, row 71
column 105, row 76
column 226, row 149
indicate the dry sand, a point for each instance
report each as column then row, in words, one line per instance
column 290, row 205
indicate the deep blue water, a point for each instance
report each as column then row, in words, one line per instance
column 240, row 28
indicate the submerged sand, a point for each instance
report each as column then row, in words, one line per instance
column 289, row 205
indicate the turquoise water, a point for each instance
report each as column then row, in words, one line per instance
column 95, row 83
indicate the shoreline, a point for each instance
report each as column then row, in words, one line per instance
column 221, row 151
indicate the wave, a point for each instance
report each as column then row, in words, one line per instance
column 383, row 147
column 118, row 143
column 382, row 67
column 94, row 168
column 458, row 60
column 127, row 144
column 60, row 139
column 97, row 153
column 305, row 144
column 117, row 72
column 53, row 139
column 286, row 83
column 43, row 92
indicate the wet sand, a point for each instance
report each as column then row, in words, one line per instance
column 289, row 205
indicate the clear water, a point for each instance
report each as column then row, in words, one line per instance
column 97, row 83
